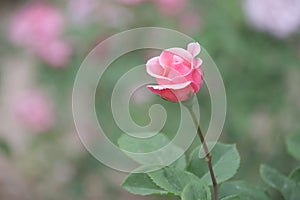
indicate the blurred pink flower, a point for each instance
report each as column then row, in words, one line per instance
column 34, row 110
column 190, row 23
column 56, row 54
column 281, row 18
column 170, row 7
column 37, row 26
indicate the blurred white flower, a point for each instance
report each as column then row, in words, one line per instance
column 280, row 18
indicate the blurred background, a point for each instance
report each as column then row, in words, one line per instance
column 255, row 44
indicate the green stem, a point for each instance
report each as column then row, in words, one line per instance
column 208, row 155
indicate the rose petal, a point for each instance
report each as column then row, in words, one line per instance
column 175, row 77
column 180, row 68
column 173, row 86
column 197, row 62
column 167, row 56
column 197, row 80
column 164, row 93
column 154, row 68
column 195, row 76
column 175, row 93
column 163, row 76
column 177, row 59
column 172, row 76
column 194, row 48
column 182, row 53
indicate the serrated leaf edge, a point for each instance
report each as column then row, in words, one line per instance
column 208, row 192
column 161, row 193
column 167, row 189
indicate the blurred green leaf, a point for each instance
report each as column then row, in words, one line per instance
column 4, row 147
column 287, row 187
column 225, row 160
column 293, row 145
column 173, row 180
column 136, row 148
column 232, row 197
column 196, row 191
column 295, row 175
column 141, row 184
column 243, row 191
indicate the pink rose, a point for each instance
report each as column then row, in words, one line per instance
column 177, row 72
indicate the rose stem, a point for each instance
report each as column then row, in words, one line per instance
column 208, row 155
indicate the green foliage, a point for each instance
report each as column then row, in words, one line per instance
column 242, row 190
column 167, row 181
column 289, row 189
column 295, row 176
column 180, row 163
column 196, row 191
column 193, row 183
column 293, row 145
column 173, row 180
column 136, row 147
column 4, row 147
column 141, row 184
column 225, row 160
column 232, row 197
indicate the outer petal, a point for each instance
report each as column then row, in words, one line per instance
column 197, row 62
column 154, row 68
column 164, row 93
column 194, row 48
column 197, row 80
column 175, row 93
column 173, row 86
column 195, row 76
